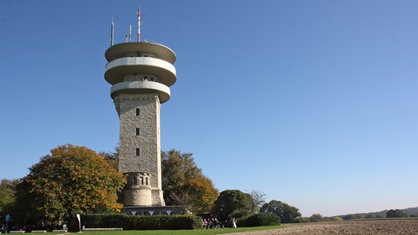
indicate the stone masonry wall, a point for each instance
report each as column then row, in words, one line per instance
column 148, row 140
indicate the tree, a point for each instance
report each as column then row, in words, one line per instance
column 7, row 195
column 257, row 199
column 112, row 158
column 395, row 213
column 287, row 213
column 316, row 218
column 230, row 201
column 72, row 180
column 203, row 194
column 184, row 184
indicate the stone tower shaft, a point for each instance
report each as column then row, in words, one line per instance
column 140, row 74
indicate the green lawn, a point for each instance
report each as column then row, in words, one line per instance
column 183, row 232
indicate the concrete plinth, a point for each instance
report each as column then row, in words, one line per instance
column 154, row 210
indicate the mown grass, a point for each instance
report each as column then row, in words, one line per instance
column 183, row 232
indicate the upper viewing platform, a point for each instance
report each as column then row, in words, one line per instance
column 143, row 49
column 140, row 58
column 139, row 67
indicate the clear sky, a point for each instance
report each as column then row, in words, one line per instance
column 314, row 103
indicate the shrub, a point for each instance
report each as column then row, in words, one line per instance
column 262, row 219
column 241, row 213
column 73, row 225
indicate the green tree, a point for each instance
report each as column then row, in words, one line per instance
column 316, row 218
column 73, row 179
column 395, row 214
column 112, row 158
column 287, row 213
column 184, row 184
column 7, row 196
column 230, row 201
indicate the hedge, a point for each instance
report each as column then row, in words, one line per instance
column 129, row 222
column 261, row 219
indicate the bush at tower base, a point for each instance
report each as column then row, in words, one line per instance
column 261, row 219
column 129, row 222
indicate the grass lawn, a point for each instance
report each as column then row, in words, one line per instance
column 182, row 232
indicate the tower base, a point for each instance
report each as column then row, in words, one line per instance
column 139, row 192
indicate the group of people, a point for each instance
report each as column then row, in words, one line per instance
column 213, row 223
column 28, row 228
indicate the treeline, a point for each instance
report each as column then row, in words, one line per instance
column 392, row 213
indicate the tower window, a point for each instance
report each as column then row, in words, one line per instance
column 134, row 181
column 137, row 112
column 137, row 131
column 137, row 152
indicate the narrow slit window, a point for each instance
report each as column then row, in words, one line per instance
column 137, row 152
column 137, row 112
column 137, row 131
column 134, row 181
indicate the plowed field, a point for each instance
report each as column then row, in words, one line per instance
column 369, row 227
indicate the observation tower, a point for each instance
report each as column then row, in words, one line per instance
column 141, row 74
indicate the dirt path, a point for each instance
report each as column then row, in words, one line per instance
column 372, row 227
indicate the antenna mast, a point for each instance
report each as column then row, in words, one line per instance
column 128, row 37
column 112, row 32
column 139, row 25
column 130, row 33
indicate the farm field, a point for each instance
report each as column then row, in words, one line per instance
column 360, row 227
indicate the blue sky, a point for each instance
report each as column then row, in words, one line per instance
column 313, row 103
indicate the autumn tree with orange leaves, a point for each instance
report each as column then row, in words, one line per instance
column 72, row 180
column 202, row 193
column 184, row 183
